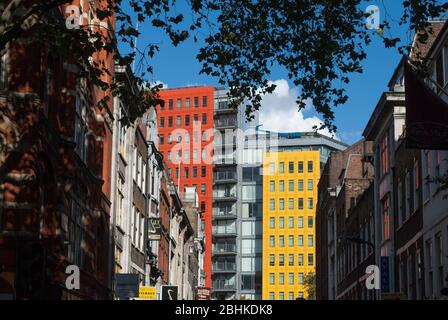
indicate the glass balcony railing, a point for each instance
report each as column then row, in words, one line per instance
column 224, row 266
column 224, row 248
column 223, row 285
column 229, row 175
column 224, row 212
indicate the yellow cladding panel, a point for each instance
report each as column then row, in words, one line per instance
column 289, row 207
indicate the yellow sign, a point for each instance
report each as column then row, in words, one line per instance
column 393, row 296
column 147, row 293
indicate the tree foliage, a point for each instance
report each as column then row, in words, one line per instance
column 319, row 43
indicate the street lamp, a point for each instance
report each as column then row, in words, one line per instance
column 362, row 241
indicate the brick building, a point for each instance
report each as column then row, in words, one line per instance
column 341, row 216
column 54, row 174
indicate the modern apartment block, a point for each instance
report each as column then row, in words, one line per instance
column 236, row 258
column 186, row 142
column 291, row 171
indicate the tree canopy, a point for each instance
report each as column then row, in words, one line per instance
column 319, row 43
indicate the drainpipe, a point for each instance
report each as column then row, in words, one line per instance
column 111, row 253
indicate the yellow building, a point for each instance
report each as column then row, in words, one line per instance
column 289, row 200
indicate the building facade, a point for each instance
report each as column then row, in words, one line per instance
column 55, row 174
column 186, row 142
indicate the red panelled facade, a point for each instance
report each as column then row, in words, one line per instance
column 186, row 141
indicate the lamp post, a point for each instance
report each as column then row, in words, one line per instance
column 362, row 241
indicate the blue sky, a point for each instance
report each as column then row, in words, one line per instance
column 178, row 67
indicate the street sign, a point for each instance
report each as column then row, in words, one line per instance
column 203, row 293
column 393, row 296
column 169, row 292
column 147, row 293
column 127, row 285
column 154, row 229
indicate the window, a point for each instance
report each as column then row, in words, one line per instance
column 195, row 154
column 281, row 222
column 300, row 167
column 291, row 167
column 281, row 278
column 291, row 260
column 310, row 222
column 170, row 157
column 384, row 154
column 196, row 102
column 271, row 278
column 300, row 185
column 203, row 171
column 310, row 259
column 300, row 222
column 161, row 139
column 310, row 166
column 300, row 278
column 204, row 101
column 291, row 295
column 272, row 222
column 80, row 129
column 281, row 296
column 272, row 241
column 407, row 191
column 300, row 204
column 272, row 168
column 272, row 186
column 281, row 260
column 178, row 121
column 310, row 185
column 247, row 228
column 416, row 180
column 170, row 104
column 291, row 185
column 187, row 103
column 281, row 186
column 272, row 260
column 281, row 204
column 204, row 118
column 310, row 241
column 195, row 172
column 290, row 222
column 281, row 241
column 300, row 295
column 385, row 218
column 310, row 203
column 401, row 215
column 300, row 240
column 3, row 77
column 196, row 118
column 271, row 204
column 179, row 103
column 170, row 138
column 282, row 167
column 300, row 259
column 203, row 189
column 291, row 241
column 291, row 278
column 291, row 203
column 170, row 122
column 271, row 296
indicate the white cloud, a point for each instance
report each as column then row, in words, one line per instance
column 279, row 111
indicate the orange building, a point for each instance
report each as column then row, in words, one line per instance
column 186, row 141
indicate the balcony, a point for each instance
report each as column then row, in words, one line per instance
column 226, row 123
column 224, row 196
column 223, row 177
column 224, row 159
column 224, row 249
column 222, row 107
column 229, row 232
column 223, row 286
column 223, row 213
column 224, row 267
